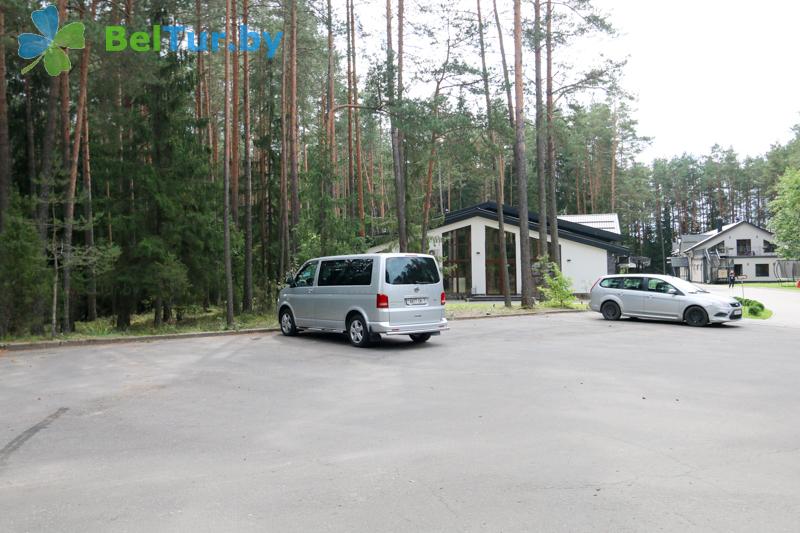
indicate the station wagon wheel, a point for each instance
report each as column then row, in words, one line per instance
column 696, row 316
column 288, row 327
column 611, row 311
column 357, row 331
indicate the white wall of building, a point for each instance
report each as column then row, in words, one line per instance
column 582, row 263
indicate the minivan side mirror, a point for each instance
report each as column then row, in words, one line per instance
column 290, row 280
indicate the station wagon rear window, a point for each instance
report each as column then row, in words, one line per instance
column 611, row 283
column 411, row 270
column 345, row 272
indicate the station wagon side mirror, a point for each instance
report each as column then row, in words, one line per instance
column 673, row 291
column 290, row 280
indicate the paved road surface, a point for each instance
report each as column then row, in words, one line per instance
column 548, row 423
column 784, row 303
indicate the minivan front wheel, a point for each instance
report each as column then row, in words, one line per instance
column 419, row 338
column 696, row 316
column 611, row 311
column 357, row 331
column 288, row 327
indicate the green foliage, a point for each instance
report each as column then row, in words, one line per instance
column 752, row 307
column 24, row 277
column 557, row 288
column 785, row 220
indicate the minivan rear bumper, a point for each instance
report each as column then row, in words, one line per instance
column 387, row 328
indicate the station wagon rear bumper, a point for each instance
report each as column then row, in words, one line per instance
column 386, row 328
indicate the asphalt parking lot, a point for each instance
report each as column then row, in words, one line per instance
column 536, row 423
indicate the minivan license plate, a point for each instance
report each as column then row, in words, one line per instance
column 416, row 301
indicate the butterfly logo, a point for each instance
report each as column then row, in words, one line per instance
column 51, row 44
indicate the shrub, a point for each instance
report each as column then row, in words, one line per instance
column 557, row 288
column 754, row 307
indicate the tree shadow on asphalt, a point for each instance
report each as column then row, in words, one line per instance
column 635, row 320
column 387, row 342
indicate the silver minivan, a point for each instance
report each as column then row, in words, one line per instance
column 365, row 296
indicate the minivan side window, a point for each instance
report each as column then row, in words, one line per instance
column 611, row 283
column 633, row 284
column 305, row 278
column 339, row 272
column 411, row 270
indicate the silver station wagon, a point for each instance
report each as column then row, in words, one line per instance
column 365, row 296
column 661, row 297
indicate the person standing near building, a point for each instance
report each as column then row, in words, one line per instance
column 731, row 279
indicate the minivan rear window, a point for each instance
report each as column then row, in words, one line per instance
column 345, row 272
column 411, row 270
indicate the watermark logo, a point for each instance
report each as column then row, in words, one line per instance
column 51, row 44
column 117, row 40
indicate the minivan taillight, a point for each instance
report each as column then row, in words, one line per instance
column 443, row 299
column 382, row 301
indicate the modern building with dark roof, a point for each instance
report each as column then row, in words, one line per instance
column 468, row 240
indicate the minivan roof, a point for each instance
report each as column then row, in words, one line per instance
column 369, row 256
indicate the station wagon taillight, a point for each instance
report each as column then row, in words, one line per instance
column 382, row 301
column 443, row 298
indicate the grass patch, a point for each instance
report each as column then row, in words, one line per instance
column 763, row 315
column 572, row 305
column 772, row 285
column 194, row 321
column 461, row 309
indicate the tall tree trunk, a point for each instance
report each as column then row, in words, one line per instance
column 198, row 90
column 247, row 304
column 330, row 132
column 69, row 210
column 506, row 80
column 497, row 165
column 397, row 160
column 295, row 178
column 235, row 135
column 359, row 169
column 522, row 178
column 552, row 207
column 5, row 152
column 226, row 175
column 350, row 185
column 401, row 138
column 540, row 128
column 91, row 297
column 30, row 143
column 426, row 205
column 64, row 80
column 614, row 143
column 285, row 149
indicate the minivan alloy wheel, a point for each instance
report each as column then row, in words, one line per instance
column 357, row 331
column 287, row 323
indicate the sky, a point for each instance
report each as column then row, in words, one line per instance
column 703, row 72
column 708, row 71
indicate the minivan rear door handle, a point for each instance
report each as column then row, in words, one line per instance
column 309, row 290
